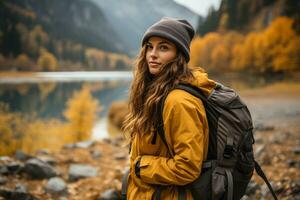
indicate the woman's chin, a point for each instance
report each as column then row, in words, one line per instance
column 154, row 71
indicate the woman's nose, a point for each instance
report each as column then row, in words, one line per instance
column 153, row 52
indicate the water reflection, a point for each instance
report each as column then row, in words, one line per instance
column 48, row 99
column 44, row 102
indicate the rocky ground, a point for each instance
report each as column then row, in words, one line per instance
column 85, row 170
column 92, row 170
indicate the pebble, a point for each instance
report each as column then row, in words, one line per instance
column 78, row 171
column 56, row 186
column 110, row 194
column 3, row 180
column 37, row 169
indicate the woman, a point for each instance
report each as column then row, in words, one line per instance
column 160, row 66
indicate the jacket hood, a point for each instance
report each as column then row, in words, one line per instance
column 202, row 82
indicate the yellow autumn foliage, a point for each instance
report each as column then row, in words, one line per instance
column 47, row 62
column 274, row 49
column 9, row 135
column 40, row 134
column 21, row 132
column 81, row 113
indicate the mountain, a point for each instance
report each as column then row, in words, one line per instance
column 130, row 18
column 77, row 21
column 78, row 34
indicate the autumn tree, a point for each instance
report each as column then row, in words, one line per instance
column 275, row 49
column 23, row 62
column 41, row 134
column 220, row 58
column 81, row 113
column 210, row 42
column 37, row 39
column 11, row 129
column 116, row 116
column 282, row 43
column 196, row 51
column 47, row 62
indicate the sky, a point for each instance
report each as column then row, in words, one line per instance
column 200, row 6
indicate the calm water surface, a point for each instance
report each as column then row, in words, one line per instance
column 45, row 93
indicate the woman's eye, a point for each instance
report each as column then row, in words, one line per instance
column 149, row 46
column 163, row 47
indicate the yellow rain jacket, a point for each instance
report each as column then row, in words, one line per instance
column 186, row 131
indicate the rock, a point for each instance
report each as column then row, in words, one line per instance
column 6, row 159
column 293, row 163
column 297, row 197
column 20, row 155
column 278, row 138
column 14, row 167
column 265, row 190
column 259, row 150
column 296, row 150
column 69, row 146
column 252, row 187
column 107, row 140
column 38, row 169
column 110, row 194
column 3, row 180
column 3, row 170
column 16, row 195
column 20, row 188
column 47, row 159
column 78, row 171
column 258, row 139
column 245, row 197
column 117, row 141
column 120, row 156
column 84, row 144
column 42, row 152
column 56, row 186
column 295, row 188
column 96, row 154
column 263, row 127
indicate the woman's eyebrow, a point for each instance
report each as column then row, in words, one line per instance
column 164, row 42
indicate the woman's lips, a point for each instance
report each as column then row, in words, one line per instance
column 154, row 64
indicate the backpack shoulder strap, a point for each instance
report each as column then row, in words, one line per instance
column 160, row 129
column 192, row 90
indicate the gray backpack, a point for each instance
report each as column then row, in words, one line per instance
column 230, row 162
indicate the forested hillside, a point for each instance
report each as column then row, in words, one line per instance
column 249, row 15
column 260, row 36
column 42, row 35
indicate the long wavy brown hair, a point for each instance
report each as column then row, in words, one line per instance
column 147, row 91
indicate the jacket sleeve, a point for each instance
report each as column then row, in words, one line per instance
column 183, row 125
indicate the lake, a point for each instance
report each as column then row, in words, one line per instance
column 45, row 94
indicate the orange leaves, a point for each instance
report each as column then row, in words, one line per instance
column 276, row 49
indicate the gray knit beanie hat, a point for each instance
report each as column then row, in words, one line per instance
column 178, row 31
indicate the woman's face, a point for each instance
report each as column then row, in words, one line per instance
column 159, row 52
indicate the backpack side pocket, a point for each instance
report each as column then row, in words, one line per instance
column 201, row 187
column 242, row 173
